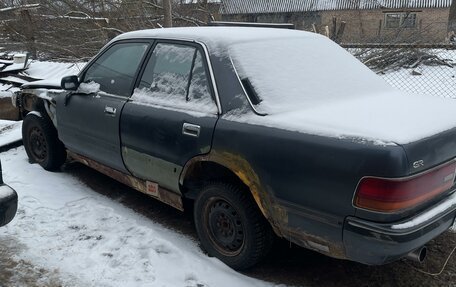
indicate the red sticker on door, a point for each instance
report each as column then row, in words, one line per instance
column 152, row 188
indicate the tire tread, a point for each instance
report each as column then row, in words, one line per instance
column 56, row 149
column 261, row 230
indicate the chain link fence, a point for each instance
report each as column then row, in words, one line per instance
column 415, row 68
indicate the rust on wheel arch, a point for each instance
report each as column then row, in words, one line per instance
column 243, row 170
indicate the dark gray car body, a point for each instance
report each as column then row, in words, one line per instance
column 303, row 183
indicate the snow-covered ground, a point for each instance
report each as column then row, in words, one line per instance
column 434, row 80
column 90, row 240
column 431, row 80
column 10, row 132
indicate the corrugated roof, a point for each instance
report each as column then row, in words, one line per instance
column 277, row 6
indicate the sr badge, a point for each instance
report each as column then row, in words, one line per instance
column 418, row 164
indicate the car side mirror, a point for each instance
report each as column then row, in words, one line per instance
column 70, row 83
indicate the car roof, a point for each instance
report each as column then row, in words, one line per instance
column 217, row 36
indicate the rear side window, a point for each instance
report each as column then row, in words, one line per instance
column 175, row 76
column 115, row 70
column 199, row 85
column 168, row 70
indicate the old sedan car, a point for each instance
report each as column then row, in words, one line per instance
column 265, row 131
column 8, row 202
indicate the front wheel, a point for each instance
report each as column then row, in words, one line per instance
column 230, row 225
column 41, row 142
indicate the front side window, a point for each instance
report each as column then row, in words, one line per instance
column 115, row 70
column 175, row 76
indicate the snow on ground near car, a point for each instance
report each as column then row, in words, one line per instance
column 431, row 80
column 67, row 227
column 10, row 132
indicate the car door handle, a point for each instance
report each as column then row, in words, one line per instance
column 110, row 111
column 191, row 130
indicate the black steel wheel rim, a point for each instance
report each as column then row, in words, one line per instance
column 225, row 226
column 37, row 144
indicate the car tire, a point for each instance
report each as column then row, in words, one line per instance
column 42, row 143
column 230, row 226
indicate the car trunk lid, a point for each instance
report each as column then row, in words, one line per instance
column 431, row 151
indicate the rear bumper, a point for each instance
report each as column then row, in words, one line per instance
column 379, row 243
column 8, row 204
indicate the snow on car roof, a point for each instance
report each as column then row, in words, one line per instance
column 309, row 84
column 217, row 35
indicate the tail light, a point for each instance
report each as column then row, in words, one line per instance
column 393, row 194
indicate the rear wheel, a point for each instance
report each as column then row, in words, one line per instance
column 41, row 142
column 230, row 225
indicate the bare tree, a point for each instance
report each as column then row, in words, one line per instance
column 167, row 12
column 69, row 29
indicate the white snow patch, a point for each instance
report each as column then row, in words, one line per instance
column 10, row 131
column 311, row 85
column 6, row 90
column 280, row 6
column 303, row 73
column 218, row 38
column 89, row 88
column 446, row 205
column 55, row 82
column 384, row 118
column 14, row 79
column 67, row 227
column 5, row 191
column 14, row 67
column 434, row 81
column 197, row 107
column 53, row 70
column 36, row 113
column 5, row 94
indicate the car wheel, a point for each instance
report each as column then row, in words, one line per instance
column 230, row 225
column 41, row 142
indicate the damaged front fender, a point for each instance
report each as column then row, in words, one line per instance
column 41, row 100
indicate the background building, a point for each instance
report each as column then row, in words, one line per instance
column 366, row 21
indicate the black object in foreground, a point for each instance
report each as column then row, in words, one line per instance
column 8, row 202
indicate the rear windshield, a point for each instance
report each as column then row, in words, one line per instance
column 299, row 73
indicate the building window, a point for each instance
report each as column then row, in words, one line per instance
column 409, row 20
column 400, row 20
